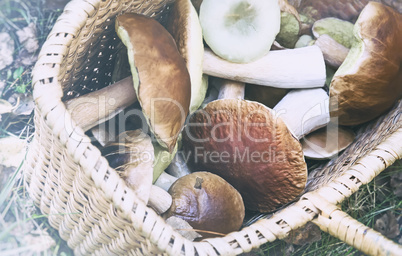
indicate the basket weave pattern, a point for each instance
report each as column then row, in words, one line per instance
column 96, row 213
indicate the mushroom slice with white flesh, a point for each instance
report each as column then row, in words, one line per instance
column 244, row 143
column 290, row 68
column 160, row 77
column 327, row 142
column 183, row 24
column 304, row 111
column 368, row 82
column 240, row 31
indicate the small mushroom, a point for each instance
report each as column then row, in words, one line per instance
column 183, row 24
column 160, row 77
column 304, row 111
column 240, row 31
column 244, row 143
column 369, row 80
column 341, row 31
column 327, row 142
column 132, row 156
column 290, row 25
column 208, row 203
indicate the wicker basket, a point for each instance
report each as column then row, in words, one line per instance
column 94, row 210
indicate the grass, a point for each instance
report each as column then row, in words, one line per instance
column 25, row 231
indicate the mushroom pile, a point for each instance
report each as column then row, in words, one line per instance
column 226, row 101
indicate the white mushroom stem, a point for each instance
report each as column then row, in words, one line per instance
column 292, row 68
column 230, row 89
column 96, row 107
column 304, row 111
column 334, row 52
column 160, row 200
column 164, row 181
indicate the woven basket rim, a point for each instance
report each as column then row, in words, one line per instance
column 46, row 82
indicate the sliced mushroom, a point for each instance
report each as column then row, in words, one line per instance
column 244, row 143
column 369, row 80
column 304, row 111
column 160, row 77
column 208, row 203
column 327, row 142
column 240, row 31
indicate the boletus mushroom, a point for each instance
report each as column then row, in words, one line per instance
column 208, row 203
column 369, row 81
column 132, row 155
column 247, row 145
column 160, row 77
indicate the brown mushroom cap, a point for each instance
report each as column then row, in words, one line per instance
column 369, row 80
column 160, row 76
column 242, row 142
column 207, row 202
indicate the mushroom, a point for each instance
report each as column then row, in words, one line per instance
column 133, row 157
column 341, row 31
column 291, row 68
column 160, row 77
column 244, row 143
column 249, row 25
column 208, row 203
column 290, row 25
column 369, row 80
column 304, row 111
column 327, row 142
column 183, row 24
